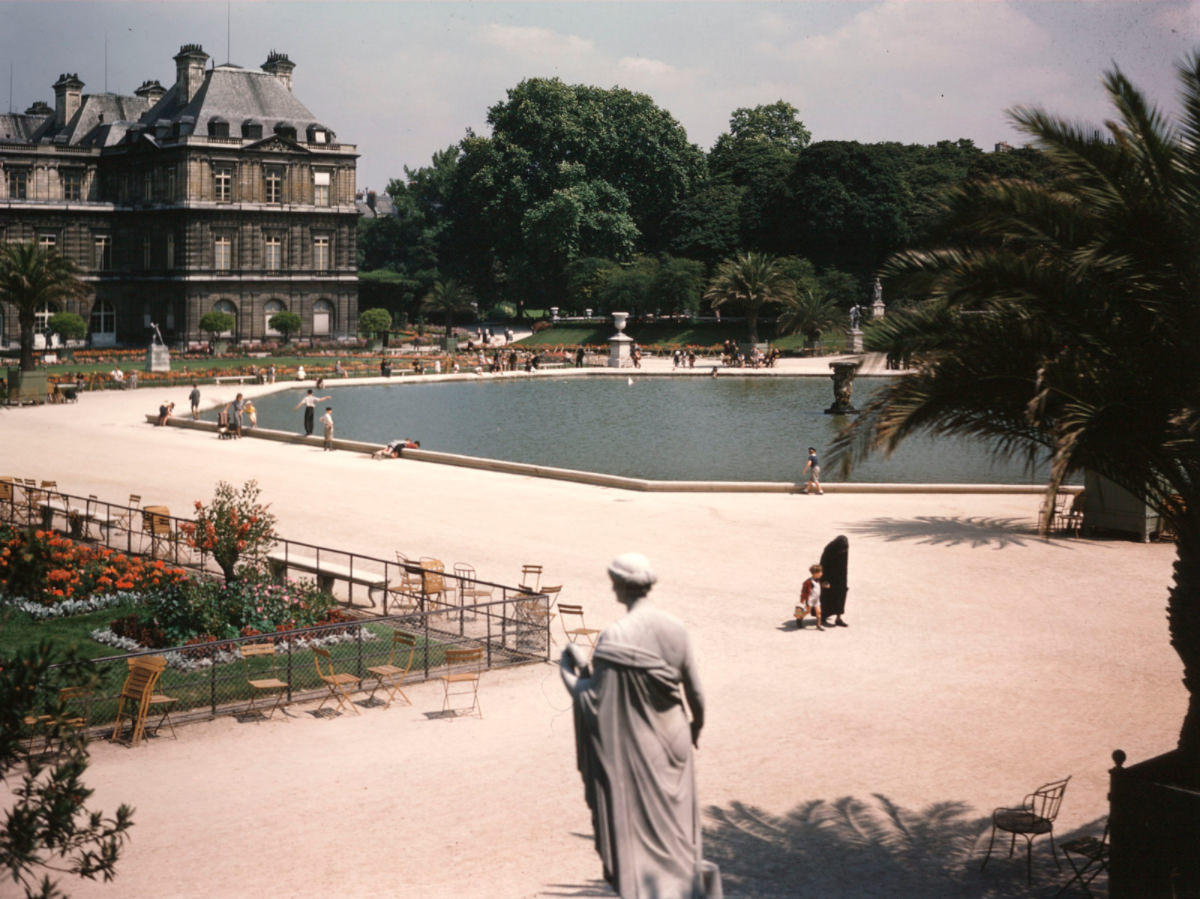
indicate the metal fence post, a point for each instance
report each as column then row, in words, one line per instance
column 212, row 684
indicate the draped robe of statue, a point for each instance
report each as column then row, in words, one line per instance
column 834, row 565
column 634, row 746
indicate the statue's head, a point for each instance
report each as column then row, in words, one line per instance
column 631, row 575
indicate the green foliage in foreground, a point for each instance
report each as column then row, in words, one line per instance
column 47, row 826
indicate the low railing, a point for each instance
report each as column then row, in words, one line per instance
column 210, row 679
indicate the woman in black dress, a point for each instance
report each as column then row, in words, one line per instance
column 834, row 560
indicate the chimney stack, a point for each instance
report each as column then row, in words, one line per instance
column 151, row 91
column 281, row 67
column 189, row 71
column 68, row 91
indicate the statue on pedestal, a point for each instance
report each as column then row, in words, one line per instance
column 634, row 740
column 843, row 388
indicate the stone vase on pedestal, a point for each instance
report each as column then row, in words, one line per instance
column 619, row 346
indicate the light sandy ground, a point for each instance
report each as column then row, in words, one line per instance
column 980, row 661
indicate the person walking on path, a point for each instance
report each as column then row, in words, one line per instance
column 835, row 563
column 813, row 469
column 810, row 599
column 309, row 402
column 235, row 410
column 327, row 424
column 194, row 399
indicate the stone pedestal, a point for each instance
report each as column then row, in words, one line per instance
column 158, row 357
column 843, row 387
column 854, row 342
column 620, row 351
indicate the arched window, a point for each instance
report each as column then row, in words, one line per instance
column 322, row 318
column 228, row 307
column 103, row 324
column 269, row 309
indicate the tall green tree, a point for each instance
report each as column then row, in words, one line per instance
column 750, row 282
column 1065, row 317
column 30, row 278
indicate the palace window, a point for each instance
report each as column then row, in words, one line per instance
column 322, row 318
column 72, row 185
column 320, row 188
column 271, row 308
column 18, row 184
column 170, row 183
column 41, row 316
column 223, row 184
column 104, row 318
column 222, row 253
column 273, row 257
column 103, row 257
column 321, row 253
column 147, row 186
column 147, row 252
column 47, row 241
column 170, row 250
column 227, row 307
column 273, row 184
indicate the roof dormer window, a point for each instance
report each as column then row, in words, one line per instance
column 218, row 127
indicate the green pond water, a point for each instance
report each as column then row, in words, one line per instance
column 661, row 428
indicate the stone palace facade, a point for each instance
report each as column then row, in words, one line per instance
column 221, row 192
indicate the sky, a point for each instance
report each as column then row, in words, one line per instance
column 402, row 80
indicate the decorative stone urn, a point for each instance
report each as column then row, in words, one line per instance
column 843, row 388
column 619, row 345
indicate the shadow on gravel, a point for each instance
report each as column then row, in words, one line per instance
column 854, row 848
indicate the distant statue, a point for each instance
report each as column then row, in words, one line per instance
column 157, row 338
column 877, row 296
column 877, row 307
column 633, row 742
column 855, row 316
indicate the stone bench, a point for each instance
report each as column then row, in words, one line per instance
column 327, row 573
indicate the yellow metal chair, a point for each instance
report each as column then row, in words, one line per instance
column 531, row 577
column 71, row 714
column 156, row 523
column 334, row 681
column 462, row 679
column 470, row 591
column 433, row 583
column 406, row 591
column 390, row 675
column 574, row 626
column 265, row 681
column 8, row 507
column 136, row 695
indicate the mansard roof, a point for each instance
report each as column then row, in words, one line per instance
column 234, row 94
column 20, row 128
column 100, row 121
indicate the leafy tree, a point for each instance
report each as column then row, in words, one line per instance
column 286, row 323
column 585, row 279
column 215, row 323
column 750, row 281
column 67, row 325
column 46, row 826
column 774, row 123
column 706, row 224
column 374, row 322
column 810, row 312
column 627, row 287
column 31, row 277
column 677, row 285
column 847, row 205
column 569, row 171
column 450, row 298
column 1065, row 318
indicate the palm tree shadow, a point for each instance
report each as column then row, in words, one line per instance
column 938, row 530
column 849, row 847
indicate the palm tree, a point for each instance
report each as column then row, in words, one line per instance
column 1066, row 318
column 809, row 312
column 450, row 297
column 31, row 277
column 751, row 281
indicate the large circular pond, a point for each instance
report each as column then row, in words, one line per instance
column 661, row 428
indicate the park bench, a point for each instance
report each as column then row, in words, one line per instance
column 241, row 379
column 327, row 573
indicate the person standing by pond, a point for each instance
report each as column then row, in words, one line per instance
column 634, row 740
column 309, row 402
column 327, row 424
column 194, row 399
column 235, row 410
column 813, row 469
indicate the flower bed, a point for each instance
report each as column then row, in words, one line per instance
column 45, row 568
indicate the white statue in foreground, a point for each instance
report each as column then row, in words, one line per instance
column 634, row 740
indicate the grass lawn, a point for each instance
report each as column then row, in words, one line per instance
column 671, row 334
